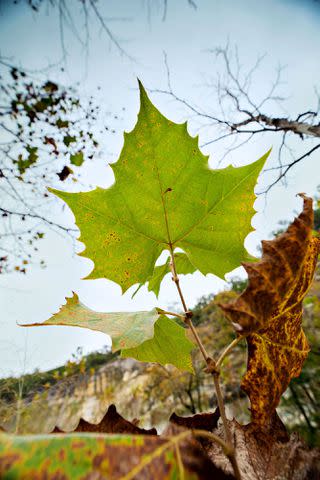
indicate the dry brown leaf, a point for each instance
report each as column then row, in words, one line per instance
column 269, row 312
column 112, row 422
column 199, row 421
column 267, row 455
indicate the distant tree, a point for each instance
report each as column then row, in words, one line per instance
column 46, row 133
column 81, row 17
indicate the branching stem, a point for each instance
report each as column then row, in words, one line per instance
column 204, row 352
column 212, row 366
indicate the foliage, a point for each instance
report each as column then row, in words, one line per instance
column 190, row 448
column 126, row 329
column 106, row 456
column 301, row 400
column 162, row 347
column 47, row 134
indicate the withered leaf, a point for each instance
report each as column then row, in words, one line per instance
column 267, row 455
column 199, row 421
column 88, row 456
column 112, row 422
column 269, row 313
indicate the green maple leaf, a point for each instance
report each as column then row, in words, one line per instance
column 164, row 197
column 169, row 345
column 145, row 336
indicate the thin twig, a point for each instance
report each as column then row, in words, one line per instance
column 211, row 436
column 228, row 350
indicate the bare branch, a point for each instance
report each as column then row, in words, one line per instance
column 241, row 114
column 290, row 165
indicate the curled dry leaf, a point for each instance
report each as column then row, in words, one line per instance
column 269, row 313
column 262, row 455
column 112, row 422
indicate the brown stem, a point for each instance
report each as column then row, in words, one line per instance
column 221, row 408
column 204, row 352
column 211, row 367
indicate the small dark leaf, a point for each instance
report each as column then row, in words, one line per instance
column 67, row 140
column 65, row 172
column 50, row 87
column 62, row 123
column 51, row 141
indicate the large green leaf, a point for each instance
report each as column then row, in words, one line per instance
column 164, row 196
column 169, row 345
column 127, row 329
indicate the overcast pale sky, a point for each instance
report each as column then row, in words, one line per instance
column 287, row 31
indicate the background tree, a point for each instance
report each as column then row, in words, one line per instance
column 88, row 16
column 236, row 115
column 47, row 133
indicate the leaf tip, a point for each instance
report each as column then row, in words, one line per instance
column 142, row 90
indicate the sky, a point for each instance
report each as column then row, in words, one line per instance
column 286, row 31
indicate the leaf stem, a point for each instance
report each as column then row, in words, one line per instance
column 204, row 352
column 221, row 407
column 228, row 350
column 212, row 366
column 211, row 436
column 173, row 314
